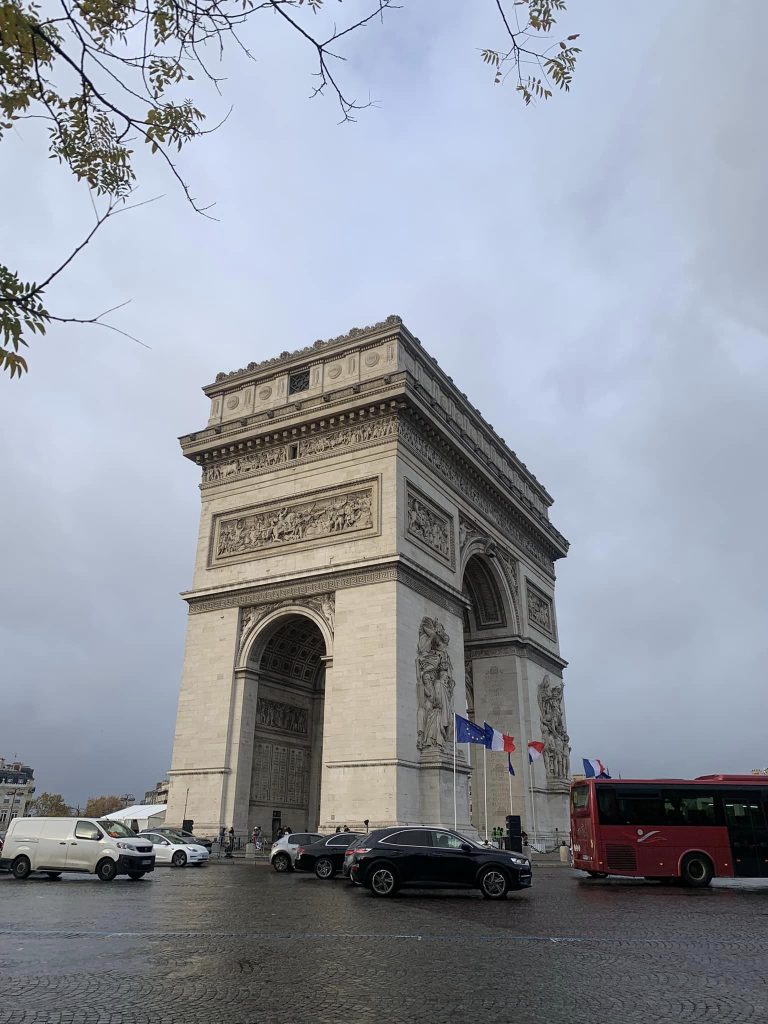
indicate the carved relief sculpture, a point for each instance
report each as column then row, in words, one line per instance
column 556, row 740
column 467, row 531
column 362, row 433
column 428, row 526
column 434, row 686
column 274, row 714
column 540, row 610
column 326, row 516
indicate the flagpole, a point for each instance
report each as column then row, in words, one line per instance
column 485, row 793
column 533, row 802
column 455, row 816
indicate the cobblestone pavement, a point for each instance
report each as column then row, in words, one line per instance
column 239, row 943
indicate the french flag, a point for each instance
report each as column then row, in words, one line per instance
column 594, row 768
column 495, row 740
column 535, row 750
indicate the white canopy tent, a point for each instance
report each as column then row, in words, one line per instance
column 144, row 815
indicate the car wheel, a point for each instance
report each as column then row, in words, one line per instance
column 106, row 869
column 281, row 862
column 382, row 880
column 696, row 871
column 53, row 874
column 179, row 859
column 21, row 867
column 136, row 875
column 494, row 884
column 324, row 868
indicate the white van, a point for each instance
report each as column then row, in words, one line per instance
column 53, row 845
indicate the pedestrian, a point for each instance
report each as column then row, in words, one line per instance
column 346, row 828
column 230, row 842
column 338, row 828
column 221, row 836
column 525, row 837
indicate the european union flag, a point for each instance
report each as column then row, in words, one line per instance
column 468, row 732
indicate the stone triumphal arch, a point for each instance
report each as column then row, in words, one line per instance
column 371, row 557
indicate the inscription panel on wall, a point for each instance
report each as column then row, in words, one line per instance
column 428, row 526
column 539, row 608
column 280, row 774
column 347, row 512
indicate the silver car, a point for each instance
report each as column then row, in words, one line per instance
column 283, row 854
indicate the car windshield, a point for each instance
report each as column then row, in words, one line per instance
column 473, row 842
column 176, row 840
column 117, row 830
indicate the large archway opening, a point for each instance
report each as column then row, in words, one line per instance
column 288, row 739
column 488, row 619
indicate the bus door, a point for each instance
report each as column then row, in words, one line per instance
column 748, row 833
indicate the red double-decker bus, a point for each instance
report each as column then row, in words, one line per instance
column 662, row 829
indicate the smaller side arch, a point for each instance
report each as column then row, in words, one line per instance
column 491, row 593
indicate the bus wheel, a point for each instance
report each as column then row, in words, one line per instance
column 597, row 874
column 696, row 871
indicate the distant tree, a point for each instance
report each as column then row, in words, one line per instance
column 49, row 805
column 102, row 75
column 100, row 806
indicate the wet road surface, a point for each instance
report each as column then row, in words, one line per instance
column 241, row 944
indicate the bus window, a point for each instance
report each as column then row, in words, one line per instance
column 698, row 810
column 743, row 811
column 689, row 808
column 580, row 799
column 607, row 805
column 641, row 809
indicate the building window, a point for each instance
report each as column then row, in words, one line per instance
column 298, row 381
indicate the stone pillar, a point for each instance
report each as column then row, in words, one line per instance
column 201, row 752
column 237, row 786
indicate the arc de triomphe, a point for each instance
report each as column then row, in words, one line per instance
column 371, row 556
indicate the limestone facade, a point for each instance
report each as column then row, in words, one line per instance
column 371, row 557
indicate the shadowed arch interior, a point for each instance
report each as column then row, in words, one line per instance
column 288, row 734
column 295, row 650
column 482, row 590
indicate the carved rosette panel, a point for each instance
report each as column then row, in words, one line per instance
column 428, row 526
column 327, row 515
column 364, row 433
column 434, row 687
column 539, row 608
column 554, row 736
column 323, row 604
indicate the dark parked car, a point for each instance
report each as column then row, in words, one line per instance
column 186, row 836
column 326, row 857
column 424, row 857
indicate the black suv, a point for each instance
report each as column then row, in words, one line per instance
column 434, row 857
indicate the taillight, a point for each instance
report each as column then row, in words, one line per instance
column 361, row 849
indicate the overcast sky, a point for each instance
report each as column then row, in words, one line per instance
column 591, row 272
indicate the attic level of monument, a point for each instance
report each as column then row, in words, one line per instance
column 370, row 386
column 358, row 362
